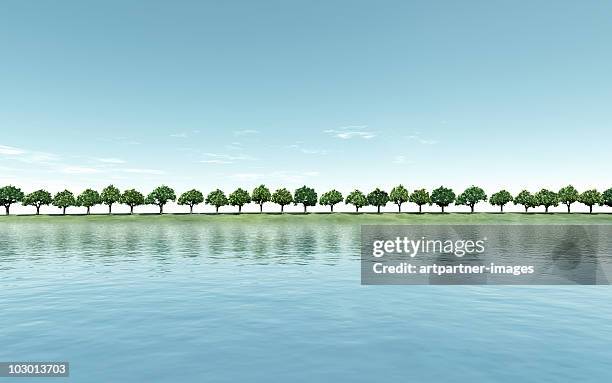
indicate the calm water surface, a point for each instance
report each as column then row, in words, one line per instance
column 238, row 302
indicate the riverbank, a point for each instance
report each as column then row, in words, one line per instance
column 340, row 218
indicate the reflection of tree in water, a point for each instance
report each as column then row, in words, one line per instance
column 260, row 245
column 216, row 242
column 239, row 242
column 306, row 245
column 574, row 257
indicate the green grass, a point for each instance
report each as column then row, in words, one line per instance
column 339, row 218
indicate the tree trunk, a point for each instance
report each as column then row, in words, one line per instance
column 217, row 209
column 526, row 207
column 399, row 207
column 591, row 209
column 378, row 209
column 161, row 209
column 304, row 208
column 442, row 209
column 261, row 207
column 282, row 208
column 37, row 209
column 6, row 207
column 239, row 209
column 568, row 208
column 64, row 211
column 472, row 208
column 501, row 208
column 356, row 209
column 88, row 210
column 332, row 208
column 110, row 205
column 131, row 209
column 420, row 208
column 190, row 209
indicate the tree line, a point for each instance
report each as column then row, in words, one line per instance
column 305, row 196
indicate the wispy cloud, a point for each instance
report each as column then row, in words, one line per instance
column 27, row 156
column 215, row 158
column 299, row 147
column 11, row 151
column 245, row 132
column 401, row 160
column 417, row 137
column 79, row 170
column 278, row 177
column 142, row 171
column 179, row 135
column 111, row 160
column 351, row 131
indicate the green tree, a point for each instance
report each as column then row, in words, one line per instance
column 606, row 198
column 261, row 194
column 109, row 196
column 526, row 199
column 239, row 197
column 160, row 196
column 217, row 199
column 305, row 196
column 282, row 197
column 501, row 198
column 63, row 200
column 132, row 197
column 331, row 198
column 547, row 199
column 443, row 197
column 590, row 198
column 420, row 197
column 38, row 199
column 9, row 195
column 471, row 196
column 398, row 196
column 88, row 199
column 378, row 198
column 191, row 198
column 356, row 198
column 568, row 195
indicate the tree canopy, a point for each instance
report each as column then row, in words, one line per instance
column 590, row 198
column 261, row 194
column 88, row 198
column 217, row 199
column 357, row 199
column 109, row 196
column 132, row 198
column 331, row 198
column 63, row 200
column 442, row 197
column 160, row 196
column 501, row 198
column 526, row 199
column 471, row 196
column 38, row 198
column 239, row 197
column 568, row 195
column 606, row 198
column 9, row 195
column 305, row 196
column 547, row 199
column 420, row 197
column 398, row 196
column 282, row 197
column 191, row 198
column 378, row 198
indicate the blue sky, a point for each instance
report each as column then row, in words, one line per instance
column 328, row 93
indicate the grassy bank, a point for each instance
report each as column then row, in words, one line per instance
column 348, row 218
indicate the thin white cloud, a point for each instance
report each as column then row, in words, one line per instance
column 401, row 160
column 11, row 151
column 351, row 131
column 421, row 140
column 179, row 135
column 220, row 162
column 245, row 132
column 216, row 158
column 111, row 160
column 142, row 171
column 78, row 170
column 298, row 146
